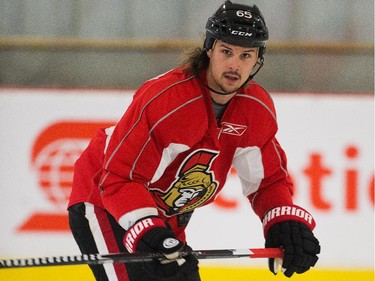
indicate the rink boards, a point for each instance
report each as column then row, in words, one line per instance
column 329, row 140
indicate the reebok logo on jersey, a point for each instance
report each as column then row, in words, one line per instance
column 233, row 129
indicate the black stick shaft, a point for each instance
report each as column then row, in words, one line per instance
column 136, row 257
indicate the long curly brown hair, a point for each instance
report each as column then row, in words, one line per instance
column 195, row 60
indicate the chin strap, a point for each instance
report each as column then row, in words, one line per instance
column 196, row 73
column 260, row 62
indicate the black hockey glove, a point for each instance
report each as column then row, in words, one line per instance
column 152, row 235
column 290, row 227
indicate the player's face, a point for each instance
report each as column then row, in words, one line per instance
column 230, row 66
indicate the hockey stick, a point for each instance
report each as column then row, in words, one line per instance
column 138, row 257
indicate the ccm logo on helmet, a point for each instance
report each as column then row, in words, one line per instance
column 241, row 33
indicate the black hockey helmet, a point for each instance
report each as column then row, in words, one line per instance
column 237, row 24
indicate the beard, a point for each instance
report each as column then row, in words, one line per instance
column 228, row 75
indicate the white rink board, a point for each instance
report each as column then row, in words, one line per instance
column 338, row 130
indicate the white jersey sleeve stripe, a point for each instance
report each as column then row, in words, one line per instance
column 248, row 163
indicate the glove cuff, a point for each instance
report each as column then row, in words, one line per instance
column 286, row 213
column 135, row 233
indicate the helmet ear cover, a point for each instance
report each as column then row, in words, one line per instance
column 262, row 51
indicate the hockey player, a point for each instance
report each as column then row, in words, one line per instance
column 137, row 185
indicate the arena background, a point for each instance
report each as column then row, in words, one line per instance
column 69, row 67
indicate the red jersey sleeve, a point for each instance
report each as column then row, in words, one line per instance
column 156, row 119
column 125, row 177
column 276, row 188
column 260, row 161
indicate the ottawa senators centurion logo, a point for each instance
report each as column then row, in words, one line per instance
column 194, row 185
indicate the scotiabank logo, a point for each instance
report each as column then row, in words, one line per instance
column 53, row 154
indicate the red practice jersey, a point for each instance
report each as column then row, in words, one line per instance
column 168, row 154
